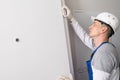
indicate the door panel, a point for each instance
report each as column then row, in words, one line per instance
column 33, row 43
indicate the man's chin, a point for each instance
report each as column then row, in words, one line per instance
column 91, row 35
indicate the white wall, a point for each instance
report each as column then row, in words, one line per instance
column 41, row 52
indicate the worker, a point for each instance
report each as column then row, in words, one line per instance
column 104, row 61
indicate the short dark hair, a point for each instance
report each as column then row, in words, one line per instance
column 111, row 31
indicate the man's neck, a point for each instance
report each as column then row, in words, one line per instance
column 98, row 40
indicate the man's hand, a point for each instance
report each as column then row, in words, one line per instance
column 63, row 77
column 66, row 12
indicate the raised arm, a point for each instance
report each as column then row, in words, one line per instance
column 81, row 33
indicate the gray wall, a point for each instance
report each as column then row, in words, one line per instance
column 82, row 10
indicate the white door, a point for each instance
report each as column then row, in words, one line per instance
column 32, row 40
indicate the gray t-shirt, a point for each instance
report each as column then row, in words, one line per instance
column 106, row 58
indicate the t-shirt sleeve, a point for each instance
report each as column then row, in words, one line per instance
column 103, row 60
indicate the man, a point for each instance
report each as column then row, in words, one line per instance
column 104, row 62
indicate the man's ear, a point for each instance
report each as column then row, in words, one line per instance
column 104, row 29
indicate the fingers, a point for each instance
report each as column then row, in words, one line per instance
column 63, row 77
column 66, row 11
column 70, row 76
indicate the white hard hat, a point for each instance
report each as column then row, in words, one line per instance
column 108, row 18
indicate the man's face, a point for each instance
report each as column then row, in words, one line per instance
column 95, row 29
